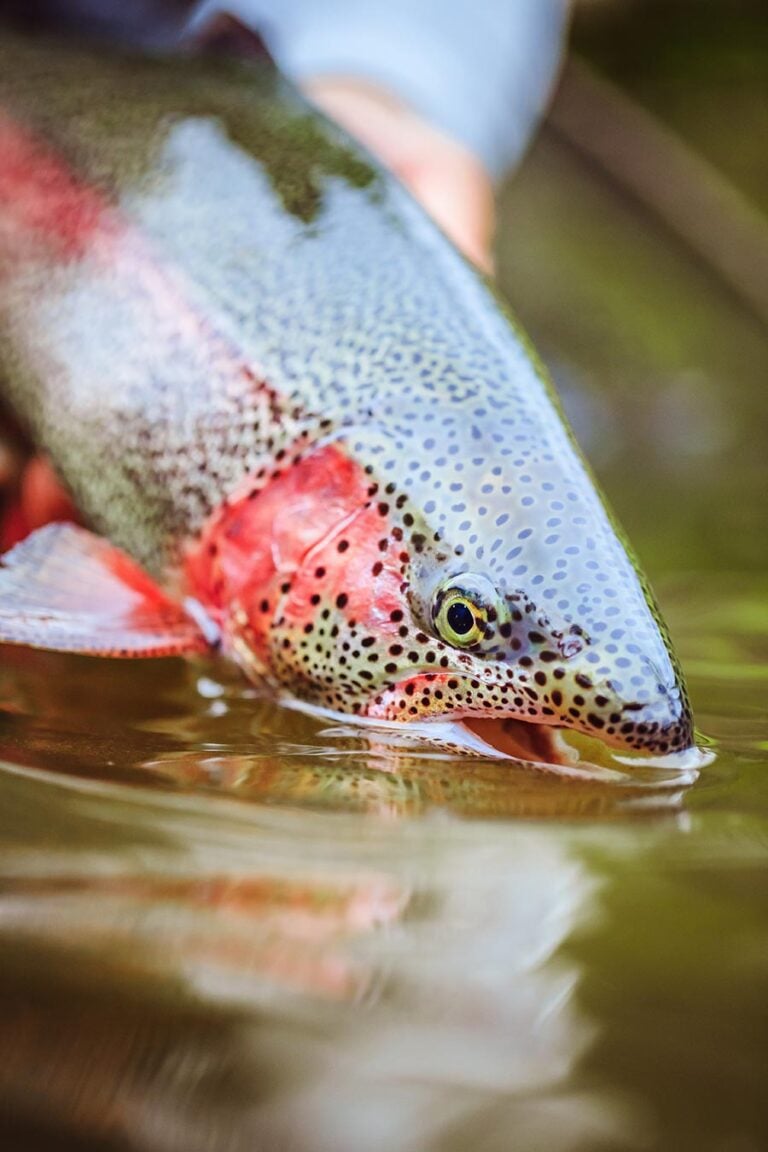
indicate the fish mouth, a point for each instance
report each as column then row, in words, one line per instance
column 545, row 748
column 548, row 745
column 523, row 740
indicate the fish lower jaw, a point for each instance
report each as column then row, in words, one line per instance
column 543, row 748
column 532, row 739
column 565, row 748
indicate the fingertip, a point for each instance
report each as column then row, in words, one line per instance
column 459, row 197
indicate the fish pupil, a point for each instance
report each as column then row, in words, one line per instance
column 460, row 619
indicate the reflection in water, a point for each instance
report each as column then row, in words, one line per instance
column 176, row 970
column 199, row 726
column 279, row 970
column 223, row 927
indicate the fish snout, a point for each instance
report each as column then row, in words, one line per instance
column 647, row 713
column 658, row 727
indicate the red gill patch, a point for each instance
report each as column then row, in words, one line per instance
column 312, row 537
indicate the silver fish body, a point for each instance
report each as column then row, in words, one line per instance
column 264, row 373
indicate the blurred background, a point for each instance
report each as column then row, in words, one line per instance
column 634, row 244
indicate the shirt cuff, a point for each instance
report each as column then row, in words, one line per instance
column 480, row 71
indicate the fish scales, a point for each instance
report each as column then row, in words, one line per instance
column 266, row 375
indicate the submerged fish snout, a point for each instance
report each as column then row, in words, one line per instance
column 642, row 713
column 663, row 725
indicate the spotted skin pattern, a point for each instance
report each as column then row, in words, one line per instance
column 287, row 395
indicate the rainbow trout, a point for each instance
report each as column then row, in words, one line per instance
column 297, row 422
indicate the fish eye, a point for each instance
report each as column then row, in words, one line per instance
column 462, row 609
column 460, row 617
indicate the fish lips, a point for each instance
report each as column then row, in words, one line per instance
column 637, row 733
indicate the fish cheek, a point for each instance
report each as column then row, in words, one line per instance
column 340, row 613
column 309, row 578
column 305, row 552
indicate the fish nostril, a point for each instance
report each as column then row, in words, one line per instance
column 635, row 706
column 570, row 646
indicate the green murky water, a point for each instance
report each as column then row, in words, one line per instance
column 225, row 926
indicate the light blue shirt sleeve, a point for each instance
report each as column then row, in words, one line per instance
column 481, row 70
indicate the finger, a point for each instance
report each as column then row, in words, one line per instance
column 460, row 200
column 448, row 180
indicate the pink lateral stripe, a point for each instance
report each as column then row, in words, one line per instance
column 48, row 213
column 40, row 197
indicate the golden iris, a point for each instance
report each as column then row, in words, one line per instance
column 461, row 619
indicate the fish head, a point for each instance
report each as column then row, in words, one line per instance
column 523, row 604
column 487, row 588
column 509, row 654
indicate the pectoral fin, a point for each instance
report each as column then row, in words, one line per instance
column 70, row 591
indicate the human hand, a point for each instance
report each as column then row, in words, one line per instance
column 449, row 180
